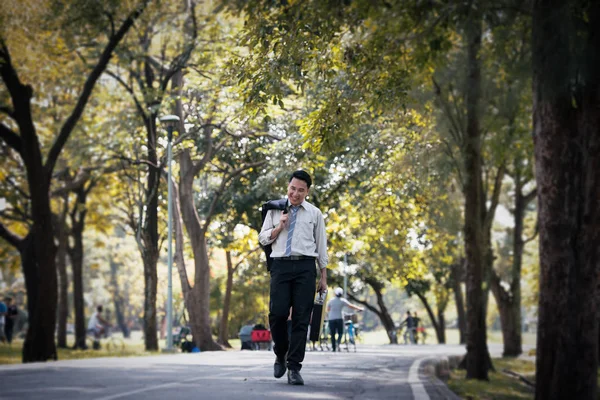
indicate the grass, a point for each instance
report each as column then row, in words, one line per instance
column 133, row 347
column 452, row 337
column 500, row 385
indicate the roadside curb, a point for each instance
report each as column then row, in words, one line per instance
column 436, row 371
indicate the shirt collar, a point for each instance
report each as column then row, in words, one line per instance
column 303, row 204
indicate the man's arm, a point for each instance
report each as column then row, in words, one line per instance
column 321, row 241
column 346, row 302
column 103, row 321
column 269, row 232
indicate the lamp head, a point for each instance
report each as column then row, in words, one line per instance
column 170, row 122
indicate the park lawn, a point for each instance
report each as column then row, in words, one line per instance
column 132, row 348
column 452, row 337
column 500, row 385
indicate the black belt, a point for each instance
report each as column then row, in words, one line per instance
column 295, row 258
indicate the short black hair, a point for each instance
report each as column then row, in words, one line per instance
column 99, row 308
column 303, row 176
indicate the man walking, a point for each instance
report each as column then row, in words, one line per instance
column 297, row 235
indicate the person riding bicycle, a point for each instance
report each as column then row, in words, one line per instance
column 334, row 316
column 97, row 324
column 410, row 328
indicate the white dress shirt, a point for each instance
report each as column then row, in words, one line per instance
column 308, row 238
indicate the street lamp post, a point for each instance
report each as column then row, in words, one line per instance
column 170, row 122
column 345, row 275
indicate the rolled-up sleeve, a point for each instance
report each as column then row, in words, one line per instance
column 321, row 241
column 264, row 237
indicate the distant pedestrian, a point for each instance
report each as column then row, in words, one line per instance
column 12, row 314
column 335, row 318
column 3, row 311
column 410, row 328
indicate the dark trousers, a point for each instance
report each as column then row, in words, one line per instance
column 336, row 326
column 8, row 331
column 292, row 285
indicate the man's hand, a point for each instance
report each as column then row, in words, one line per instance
column 282, row 222
column 322, row 286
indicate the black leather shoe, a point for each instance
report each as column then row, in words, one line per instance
column 294, row 377
column 278, row 368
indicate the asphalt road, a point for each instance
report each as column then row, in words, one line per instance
column 373, row 372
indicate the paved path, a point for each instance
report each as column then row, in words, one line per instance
column 374, row 372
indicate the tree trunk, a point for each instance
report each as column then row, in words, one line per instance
column 477, row 353
column 566, row 87
column 440, row 334
column 150, row 239
column 63, row 289
column 223, row 328
column 509, row 302
column 39, row 340
column 457, row 279
column 513, row 334
column 76, row 254
column 382, row 312
column 150, row 285
column 441, row 331
column 511, row 329
column 39, row 269
column 510, row 317
column 198, row 303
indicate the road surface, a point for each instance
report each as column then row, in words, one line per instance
column 373, row 372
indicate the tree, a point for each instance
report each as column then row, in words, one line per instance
column 37, row 247
column 62, row 239
column 566, row 85
column 147, row 71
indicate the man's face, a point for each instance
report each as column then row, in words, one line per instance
column 297, row 191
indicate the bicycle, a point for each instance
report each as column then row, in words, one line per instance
column 111, row 343
column 420, row 335
column 351, row 334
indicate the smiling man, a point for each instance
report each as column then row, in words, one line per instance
column 297, row 235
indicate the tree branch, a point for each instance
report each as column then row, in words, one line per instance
column 364, row 303
column 489, row 216
column 235, row 267
column 533, row 236
column 11, row 139
column 8, row 111
column 92, row 78
column 221, row 189
column 130, row 90
column 12, row 238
